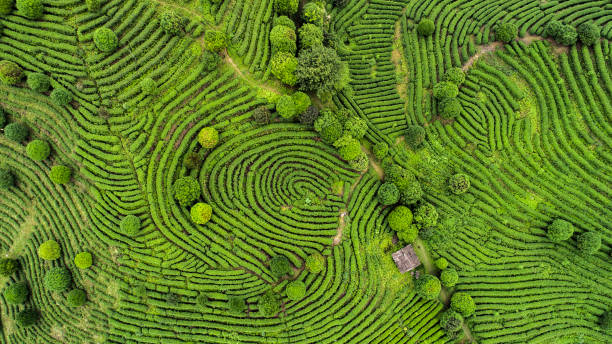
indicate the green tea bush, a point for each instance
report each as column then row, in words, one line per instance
column 201, row 213
column 130, row 225
column 426, row 215
column 415, row 136
column 57, row 279
column 6, row 6
column 426, row 27
column 16, row 293
column 60, row 174
column 61, row 96
column 283, row 39
column 32, row 9
column 313, row 13
column 295, row 290
column 27, row 317
column 589, row 242
column 449, row 277
column 147, row 86
column 454, row 75
column 588, row 33
column 309, row 116
column 506, row 32
column 283, row 66
column 459, row 183
column 285, row 21
column 76, row 298
column 451, row 321
column 315, row 263
column 186, row 190
column 10, row 72
column 215, row 40
column 310, row 35
column 49, row 250
column 38, row 150
column 236, row 305
column 38, row 82
column 462, row 302
column 6, row 178
column 208, row 137
column 286, row 7
column 449, row 107
column 280, row 266
column 172, row 23
column 105, row 40
column 8, row 266
column 83, row 260
column 445, row 89
column 269, row 304
column 560, row 230
column 17, row 132
column 286, row 107
column 428, row 287
column 93, row 5
column 400, row 218
column 388, row 194
column 380, row 150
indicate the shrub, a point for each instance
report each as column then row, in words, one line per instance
column 17, row 131
column 282, row 39
column 27, row 317
column 61, row 97
column 310, row 35
column 38, row 150
column 400, row 218
column 186, row 190
column 426, row 27
column 302, row 101
column 202, row 300
column 192, row 160
column 426, row 215
column 360, row 163
column 6, row 6
column 285, row 21
column 6, row 178
column 16, row 293
column 588, row 33
column 605, row 321
column 269, row 304
column 356, row 127
column 506, row 32
column 83, row 260
column 201, row 213
column 459, row 183
column 445, row 89
column 553, row 29
column 262, row 115
column 215, row 40
column 415, row 135
column 388, row 194
column 380, row 150
column 315, row 263
column 441, row 263
column 10, row 72
column 130, row 225
column 328, row 126
column 236, row 305
column 60, row 174
column 295, row 290
column 93, row 5
column 76, row 298
column 38, row 82
column 451, row 321
column 8, row 266
column 208, row 137
column 105, row 40
column 147, row 86
column 568, row 35
column 348, row 147
column 411, row 193
column 313, row 13
column 319, row 69
column 32, row 9
column 172, row 23
column 454, row 75
column 428, row 287
column 449, row 107
column 449, row 277
column 49, row 250
column 280, row 266
column 283, row 66
column 462, row 302
column 210, row 60
column 285, row 107
column 560, row 230
column 57, row 279
column 288, row 7
column 309, row 116
column 2, row 118
column 409, row 235
column 589, row 242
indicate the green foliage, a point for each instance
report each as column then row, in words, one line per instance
column 360, row 163
column 588, row 33
column 32, row 9
column 302, row 102
column 328, row 126
column 93, row 5
column 428, row 287
column 6, row 178
column 202, row 300
column 319, row 70
column 6, row 6
column 411, row 193
column 441, row 263
column 451, row 321
column 589, row 242
column 130, row 225
column 280, row 266
column 287, row 7
column 310, row 36
column 409, row 235
column 49, row 250
column 210, row 60
column 83, row 260
column 415, row 136
column 313, row 13
column 380, row 150
column 262, row 115
column 192, row 160
column 356, row 127
column 215, row 40
column 147, row 86
column 400, row 218
column 459, row 183
column 506, row 32
column 201, row 213
column 426, row 215
column 454, row 75
column 560, row 230
column 315, row 263
column 295, row 290
column 76, row 298
column 269, row 304
column 285, row 21
column 388, row 194
column 27, row 317
column 172, row 22
column 449, row 107
column 309, row 116
column 105, row 40
column 61, row 96
column 445, row 89
column 283, row 66
column 186, row 190
column 10, row 72
column 553, row 29
column 16, row 293
column 38, row 82
column 17, row 132
column 286, row 107
column 348, row 147
column 8, row 266
column 57, row 279
column 208, row 137
column 60, row 174
column 605, row 321
column 449, row 277
column 426, row 27
column 236, row 305
column 2, row 118
column 462, row 302
column 38, row 150
column 568, row 35
column 283, row 39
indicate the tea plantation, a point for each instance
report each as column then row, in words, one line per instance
column 246, row 171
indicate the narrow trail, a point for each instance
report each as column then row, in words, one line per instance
column 247, row 77
column 484, row 50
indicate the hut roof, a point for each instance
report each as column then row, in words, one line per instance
column 406, row 259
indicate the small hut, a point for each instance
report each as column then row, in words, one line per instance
column 406, row 259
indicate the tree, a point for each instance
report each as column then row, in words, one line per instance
column 61, row 96
column 76, row 298
column 449, row 277
column 459, row 183
column 262, row 115
column 284, row 66
column 415, row 135
column 400, row 218
column 553, row 29
column 568, row 35
column 451, row 321
column 360, row 163
column 49, row 250
column 8, row 266
column 83, row 260
column 588, row 33
column 201, row 213
column 285, row 21
column 506, row 32
column 356, row 127
column 388, row 194
column 454, row 75
column 328, row 126
column 38, row 150
column 605, row 321
column 426, row 27
column 309, row 116
column 147, row 86
column 315, row 263
column 426, row 215
column 269, row 304
column 32, row 9
column 409, row 235
column 192, row 160
column 283, row 39
column 57, row 279
column 236, row 305
column 320, row 70
column 105, row 40
column 210, row 60
column 6, row 6
column 589, row 242
column 280, row 266
column 208, row 137
column 302, row 102
column 130, row 225
column 286, row 107
column 172, row 23
column 215, row 40
column 38, row 82
column 287, row 7
column 16, row 293
column 428, row 287
column 441, row 263
column 348, row 147
column 313, row 13
column 27, row 317
column 310, row 36
column 6, row 178
column 449, row 107
column 17, row 132
column 462, row 302
column 445, row 89
column 380, row 150
column 93, row 5
column 411, row 193
column 295, row 290
column 60, row 174
column 10, row 72
column 560, row 230
column 186, row 190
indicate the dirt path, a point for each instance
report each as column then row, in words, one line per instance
column 341, row 225
column 484, row 50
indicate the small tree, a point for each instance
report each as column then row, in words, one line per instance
column 60, row 96
column 17, row 132
column 560, row 230
column 8, row 266
column 426, row 27
column 568, row 35
column 215, row 40
column 454, row 75
column 208, row 137
column 27, row 317
column 310, row 36
column 388, row 194
column 309, row 116
column 380, row 150
column 201, row 213
column 400, row 218
column 83, row 260
column 449, row 277
column 315, row 263
column 186, row 190
column 302, row 102
column 60, row 174
column 426, row 215
column 415, row 136
column 49, row 250
column 286, row 107
column 76, row 298
column 236, row 305
column 320, row 70
column 130, row 225
column 295, row 290
column 269, row 304
column 38, row 82
column 16, row 293
column 105, row 40
column 589, row 242
column 10, row 72
column 283, row 39
column 506, row 32
column 6, row 6
column 280, row 266
column 6, row 178
column 428, row 287
column 283, row 66
column 57, row 279
column 328, row 126
column 445, row 89
column 459, row 183
column 286, row 7
column 451, row 321
column 31, row 9
column 588, row 33
column 172, row 23
column 449, row 107
column 38, row 150
column 313, row 13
